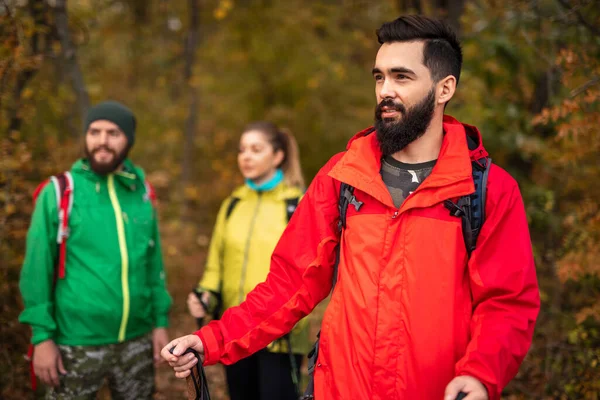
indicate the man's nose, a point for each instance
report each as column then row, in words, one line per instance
column 103, row 138
column 388, row 90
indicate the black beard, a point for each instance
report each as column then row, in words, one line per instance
column 394, row 136
column 102, row 168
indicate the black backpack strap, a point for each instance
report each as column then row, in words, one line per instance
column 346, row 199
column 471, row 208
column 481, row 169
column 232, row 203
column 290, row 206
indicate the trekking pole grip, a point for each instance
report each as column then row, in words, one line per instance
column 197, row 385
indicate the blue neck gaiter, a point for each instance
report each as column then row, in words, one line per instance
column 268, row 185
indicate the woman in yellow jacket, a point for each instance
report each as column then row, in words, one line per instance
column 248, row 227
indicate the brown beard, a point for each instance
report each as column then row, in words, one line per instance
column 106, row 168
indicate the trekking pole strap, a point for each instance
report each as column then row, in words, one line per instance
column 198, row 390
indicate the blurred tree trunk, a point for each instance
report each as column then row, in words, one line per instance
column 33, row 49
column 68, row 53
column 27, row 51
column 191, row 122
column 448, row 10
column 140, row 10
column 410, row 5
column 454, row 10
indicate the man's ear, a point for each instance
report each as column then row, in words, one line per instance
column 445, row 89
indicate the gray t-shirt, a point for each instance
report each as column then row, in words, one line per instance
column 402, row 179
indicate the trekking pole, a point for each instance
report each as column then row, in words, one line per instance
column 200, row 321
column 197, row 385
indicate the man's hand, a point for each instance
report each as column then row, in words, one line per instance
column 47, row 363
column 160, row 338
column 182, row 364
column 194, row 305
column 466, row 384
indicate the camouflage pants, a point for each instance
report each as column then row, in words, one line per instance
column 128, row 368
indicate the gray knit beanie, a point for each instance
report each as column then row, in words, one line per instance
column 116, row 113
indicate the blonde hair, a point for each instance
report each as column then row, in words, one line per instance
column 282, row 139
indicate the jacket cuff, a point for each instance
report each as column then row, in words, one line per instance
column 39, row 337
column 492, row 389
column 210, row 344
column 162, row 321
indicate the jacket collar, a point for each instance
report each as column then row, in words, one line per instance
column 129, row 177
column 451, row 177
column 280, row 192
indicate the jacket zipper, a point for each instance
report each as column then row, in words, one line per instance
column 124, row 255
column 247, row 248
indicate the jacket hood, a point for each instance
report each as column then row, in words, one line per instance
column 474, row 139
column 451, row 177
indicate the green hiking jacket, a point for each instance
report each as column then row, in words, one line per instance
column 114, row 287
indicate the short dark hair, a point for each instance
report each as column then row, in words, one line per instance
column 442, row 53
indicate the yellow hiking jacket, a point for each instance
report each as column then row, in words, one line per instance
column 241, row 246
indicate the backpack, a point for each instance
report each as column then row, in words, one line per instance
column 470, row 209
column 63, row 187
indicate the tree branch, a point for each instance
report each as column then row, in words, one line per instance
column 577, row 91
column 593, row 29
column 7, row 9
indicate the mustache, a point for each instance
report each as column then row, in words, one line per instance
column 391, row 104
column 105, row 148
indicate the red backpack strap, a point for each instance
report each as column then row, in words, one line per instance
column 65, row 186
column 150, row 193
column 29, row 358
column 38, row 190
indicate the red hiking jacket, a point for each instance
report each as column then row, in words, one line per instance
column 410, row 310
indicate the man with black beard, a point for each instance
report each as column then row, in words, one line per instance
column 97, row 303
column 413, row 314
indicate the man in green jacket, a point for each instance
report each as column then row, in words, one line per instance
column 107, row 318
